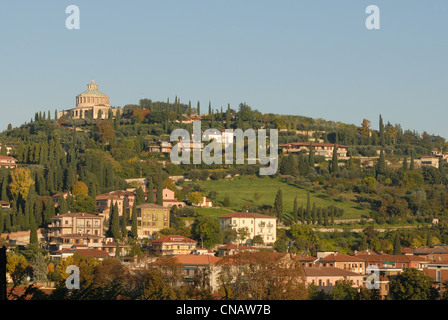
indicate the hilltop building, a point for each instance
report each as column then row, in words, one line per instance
column 90, row 104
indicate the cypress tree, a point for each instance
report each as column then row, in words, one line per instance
column 278, row 204
column 334, row 162
column 311, row 156
column 134, row 221
column 20, row 218
column 405, row 164
column 114, row 227
column 381, row 163
column 228, row 118
column 296, row 207
column 124, row 219
column 63, row 206
column 150, row 195
column 160, row 188
column 308, row 207
column 33, row 233
column 198, row 108
column 2, row 222
column 117, row 251
column 7, row 224
column 314, row 214
column 301, row 214
column 397, row 245
column 412, row 165
column 319, row 216
column 429, row 240
column 140, row 196
column 382, row 137
column 4, row 194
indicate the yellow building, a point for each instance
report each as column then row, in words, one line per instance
column 151, row 218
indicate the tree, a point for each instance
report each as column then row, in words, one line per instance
column 150, row 195
column 262, row 276
column 243, row 234
column 134, row 221
column 397, row 244
column 33, row 234
column 84, row 203
column 344, row 290
column 381, row 127
column 160, row 187
column 124, row 220
column 226, row 201
column 381, row 164
column 365, row 127
column 17, row 267
column 21, row 181
column 412, row 284
column 62, row 206
column 40, row 268
column 80, row 188
column 278, row 204
column 308, row 207
column 140, row 196
column 311, row 156
column 105, row 130
column 195, row 197
column 412, row 165
column 206, row 230
column 334, row 161
column 114, row 225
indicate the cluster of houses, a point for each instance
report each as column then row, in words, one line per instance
column 323, row 271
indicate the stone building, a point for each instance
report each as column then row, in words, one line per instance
column 90, row 104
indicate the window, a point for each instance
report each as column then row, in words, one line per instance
column 438, row 276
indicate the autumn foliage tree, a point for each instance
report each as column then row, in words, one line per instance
column 80, row 188
column 105, row 131
column 262, row 275
column 21, row 181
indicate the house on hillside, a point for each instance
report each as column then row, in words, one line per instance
column 151, row 218
column 173, row 245
column 169, row 198
column 342, row 261
column 325, row 278
column 256, row 223
column 8, row 162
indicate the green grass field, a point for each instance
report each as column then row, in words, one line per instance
column 262, row 191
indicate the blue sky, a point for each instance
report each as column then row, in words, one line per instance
column 312, row 58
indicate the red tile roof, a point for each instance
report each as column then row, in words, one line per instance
column 77, row 214
column 196, row 259
column 328, row 272
column 174, row 238
column 341, row 258
column 95, row 253
column 247, row 215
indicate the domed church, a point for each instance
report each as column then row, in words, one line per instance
column 90, row 104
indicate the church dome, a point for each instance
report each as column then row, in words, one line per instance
column 92, row 97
